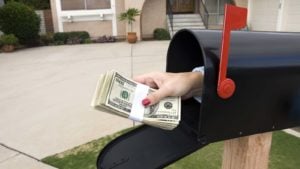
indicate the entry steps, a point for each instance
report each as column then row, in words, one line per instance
column 185, row 21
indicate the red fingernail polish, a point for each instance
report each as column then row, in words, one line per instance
column 146, row 102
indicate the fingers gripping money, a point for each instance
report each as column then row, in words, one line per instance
column 185, row 85
column 140, row 101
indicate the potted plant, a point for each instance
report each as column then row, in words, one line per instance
column 8, row 42
column 129, row 16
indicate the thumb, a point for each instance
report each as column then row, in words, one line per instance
column 155, row 97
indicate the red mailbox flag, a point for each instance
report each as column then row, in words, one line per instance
column 235, row 18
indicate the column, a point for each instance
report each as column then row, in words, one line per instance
column 114, row 17
column 58, row 12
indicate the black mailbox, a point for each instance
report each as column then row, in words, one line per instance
column 266, row 69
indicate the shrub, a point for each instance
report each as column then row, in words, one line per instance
column 87, row 41
column 47, row 39
column 20, row 20
column 9, row 39
column 60, row 36
column 104, row 39
column 161, row 34
column 74, row 40
column 75, row 37
column 36, row 4
column 59, row 43
column 80, row 34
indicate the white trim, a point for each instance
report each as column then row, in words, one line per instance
column 280, row 15
column 249, row 14
column 59, row 19
column 86, row 15
column 114, row 17
column 86, row 12
column 83, row 18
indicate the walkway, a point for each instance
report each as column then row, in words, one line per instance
column 46, row 94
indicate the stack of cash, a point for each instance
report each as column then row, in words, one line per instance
column 121, row 96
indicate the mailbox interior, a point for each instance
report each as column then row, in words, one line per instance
column 184, row 54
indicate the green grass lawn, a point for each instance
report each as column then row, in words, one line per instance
column 285, row 154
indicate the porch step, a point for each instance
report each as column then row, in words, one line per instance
column 187, row 24
column 185, row 21
column 185, row 16
column 188, row 27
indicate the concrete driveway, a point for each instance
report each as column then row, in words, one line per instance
column 46, row 93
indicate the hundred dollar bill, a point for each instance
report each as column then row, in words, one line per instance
column 119, row 95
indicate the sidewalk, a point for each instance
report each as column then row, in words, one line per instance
column 10, row 159
column 46, row 93
column 293, row 131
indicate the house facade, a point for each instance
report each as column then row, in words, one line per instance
column 274, row 15
column 100, row 17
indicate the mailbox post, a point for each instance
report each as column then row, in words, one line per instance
column 250, row 152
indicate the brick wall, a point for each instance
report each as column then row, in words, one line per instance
column 46, row 25
column 48, row 21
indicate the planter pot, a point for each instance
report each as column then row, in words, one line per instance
column 8, row 48
column 131, row 37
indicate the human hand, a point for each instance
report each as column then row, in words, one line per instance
column 186, row 85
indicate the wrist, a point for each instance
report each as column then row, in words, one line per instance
column 196, row 80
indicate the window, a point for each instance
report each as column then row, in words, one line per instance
column 84, row 4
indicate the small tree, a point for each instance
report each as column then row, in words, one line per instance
column 20, row 20
column 129, row 16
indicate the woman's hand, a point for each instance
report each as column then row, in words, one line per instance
column 186, row 85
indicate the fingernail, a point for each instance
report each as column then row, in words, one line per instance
column 146, row 102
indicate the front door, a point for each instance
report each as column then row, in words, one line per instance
column 183, row 6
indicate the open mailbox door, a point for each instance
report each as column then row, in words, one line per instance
column 265, row 67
